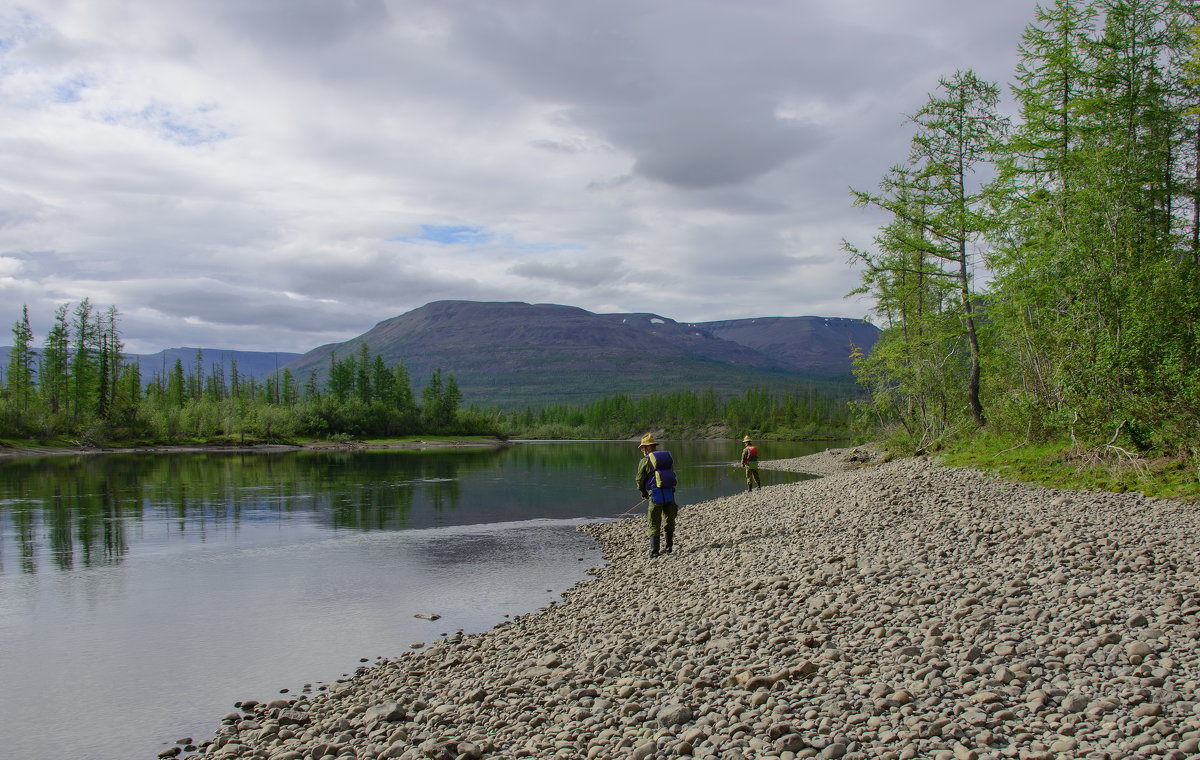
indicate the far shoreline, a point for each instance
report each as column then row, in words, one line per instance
column 23, row 452
column 18, row 451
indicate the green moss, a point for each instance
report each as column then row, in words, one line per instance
column 1062, row 465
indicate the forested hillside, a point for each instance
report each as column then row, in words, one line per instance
column 515, row 354
column 1084, row 209
column 81, row 387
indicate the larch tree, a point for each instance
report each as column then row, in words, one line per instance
column 21, row 372
column 940, row 213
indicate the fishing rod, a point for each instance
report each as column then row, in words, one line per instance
column 635, row 506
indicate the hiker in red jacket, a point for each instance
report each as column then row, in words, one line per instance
column 750, row 464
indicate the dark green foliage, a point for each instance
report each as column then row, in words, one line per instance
column 1091, row 230
column 927, row 365
column 85, row 390
column 802, row 414
column 20, row 374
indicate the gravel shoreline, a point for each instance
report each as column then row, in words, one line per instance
column 887, row 610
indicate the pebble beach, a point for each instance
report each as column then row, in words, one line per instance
column 887, row 610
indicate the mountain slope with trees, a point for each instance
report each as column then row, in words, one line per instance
column 79, row 386
column 514, row 354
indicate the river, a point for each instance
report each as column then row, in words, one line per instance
column 141, row 595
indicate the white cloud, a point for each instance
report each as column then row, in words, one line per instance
column 9, row 266
column 267, row 175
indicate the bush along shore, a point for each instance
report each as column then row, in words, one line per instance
column 887, row 610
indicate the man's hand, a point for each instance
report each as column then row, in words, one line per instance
column 645, row 494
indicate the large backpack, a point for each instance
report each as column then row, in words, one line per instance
column 662, row 480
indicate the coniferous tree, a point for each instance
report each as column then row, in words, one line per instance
column 431, row 401
column 289, row 394
column 939, row 214
column 114, row 351
column 341, row 382
column 21, row 372
column 1088, row 268
column 176, row 390
column 402, row 398
column 84, row 365
column 54, row 378
column 362, row 374
column 382, row 382
column 449, row 402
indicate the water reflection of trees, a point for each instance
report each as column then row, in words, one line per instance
column 704, row 467
column 84, row 511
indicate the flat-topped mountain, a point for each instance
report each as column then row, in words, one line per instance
column 514, row 353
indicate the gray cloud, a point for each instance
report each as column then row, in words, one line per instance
column 577, row 274
column 261, row 175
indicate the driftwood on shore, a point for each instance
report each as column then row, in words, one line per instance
column 895, row 610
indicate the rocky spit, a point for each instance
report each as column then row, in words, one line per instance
column 887, row 610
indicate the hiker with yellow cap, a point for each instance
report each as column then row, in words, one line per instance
column 750, row 464
column 656, row 480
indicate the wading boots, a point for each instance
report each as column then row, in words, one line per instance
column 670, row 541
column 654, row 547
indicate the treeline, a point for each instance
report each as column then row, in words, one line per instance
column 1085, row 211
column 78, row 386
column 803, row 414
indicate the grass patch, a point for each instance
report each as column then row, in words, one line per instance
column 1062, row 465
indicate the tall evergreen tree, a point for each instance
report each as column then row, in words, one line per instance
column 939, row 215
column 177, row 385
column 84, row 360
column 21, row 370
column 362, row 374
column 1089, row 272
column 431, row 401
column 56, row 361
column 449, row 402
column 402, row 398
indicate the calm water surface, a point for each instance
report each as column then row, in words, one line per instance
column 142, row 595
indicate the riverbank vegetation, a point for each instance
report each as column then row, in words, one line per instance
column 802, row 415
column 77, row 389
column 1038, row 279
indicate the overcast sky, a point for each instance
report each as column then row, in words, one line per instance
column 279, row 174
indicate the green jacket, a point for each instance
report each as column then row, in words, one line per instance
column 645, row 470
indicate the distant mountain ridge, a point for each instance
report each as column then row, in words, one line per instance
column 516, row 353
column 249, row 363
column 801, row 343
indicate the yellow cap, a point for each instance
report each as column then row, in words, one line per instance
column 746, row 439
column 648, row 440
